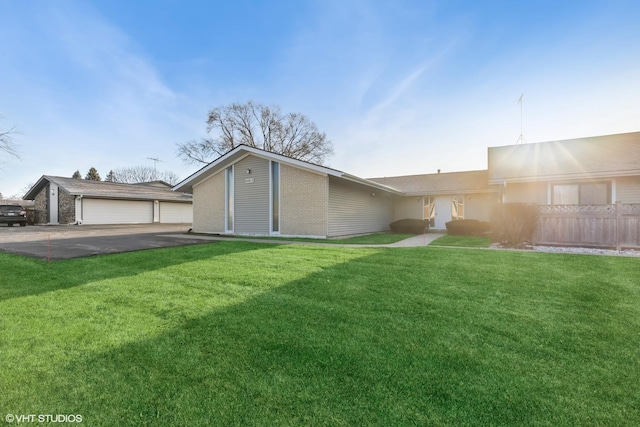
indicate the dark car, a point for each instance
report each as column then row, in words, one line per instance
column 13, row 214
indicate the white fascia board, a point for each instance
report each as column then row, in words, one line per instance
column 294, row 162
column 212, row 167
column 567, row 177
column 35, row 186
column 452, row 192
column 205, row 172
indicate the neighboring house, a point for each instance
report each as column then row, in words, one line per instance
column 585, row 171
column 60, row 200
column 443, row 197
column 587, row 189
column 248, row 191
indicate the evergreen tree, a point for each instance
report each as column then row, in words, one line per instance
column 93, row 175
column 111, row 177
column 76, row 175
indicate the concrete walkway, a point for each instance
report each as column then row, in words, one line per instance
column 419, row 240
column 415, row 241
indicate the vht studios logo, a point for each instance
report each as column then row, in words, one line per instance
column 43, row 418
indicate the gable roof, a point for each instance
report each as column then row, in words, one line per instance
column 108, row 190
column 241, row 151
column 440, row 183
column 592, row 157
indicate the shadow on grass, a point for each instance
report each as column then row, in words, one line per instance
column 25, row 276
column 343, row 346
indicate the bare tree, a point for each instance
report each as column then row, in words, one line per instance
column 256, row 125
column 138, row 174
column 7, row 143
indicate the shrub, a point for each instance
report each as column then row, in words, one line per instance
column 410, row 226
column 513, row 224
column 467, row 227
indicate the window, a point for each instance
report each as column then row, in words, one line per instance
column 430, row 210
column 457, row 207
column 589, row 193
column 566, row 194
column 229, row 199
column 275, row 197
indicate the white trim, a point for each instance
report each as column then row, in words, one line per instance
column 198, row 176
column 54, row 191
column 261, row 153
column 78, row 209
column 229, row 193
column 571, row 177
column 326, row 204
column 504, row 191
column 614, row 191
column 271, row 232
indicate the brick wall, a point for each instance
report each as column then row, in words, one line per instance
column 208, row 205
column 303, row 202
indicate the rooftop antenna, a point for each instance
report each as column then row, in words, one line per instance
column 521, row 137
column 155, row 163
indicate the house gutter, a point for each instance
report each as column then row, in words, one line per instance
column 373, row 184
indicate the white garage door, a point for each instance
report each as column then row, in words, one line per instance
column 176, row 212
column 99, row 211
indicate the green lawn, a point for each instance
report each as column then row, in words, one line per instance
column 237, row 333
column 368, row 239
column 463, row 241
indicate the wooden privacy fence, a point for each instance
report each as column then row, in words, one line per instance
column 609, row 226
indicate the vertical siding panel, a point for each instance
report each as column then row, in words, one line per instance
column 353, row 210
column 409, row 207
column 527, row 192
column 479, row 206
column 251, row 196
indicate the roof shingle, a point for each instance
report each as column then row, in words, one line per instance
column 110, row 190
column 439, row 183
column 598, row 156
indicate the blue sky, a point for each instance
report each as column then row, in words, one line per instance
column 400, row 87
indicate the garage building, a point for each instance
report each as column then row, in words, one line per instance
column 60, row 200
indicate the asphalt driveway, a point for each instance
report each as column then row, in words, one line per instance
column 72, row 241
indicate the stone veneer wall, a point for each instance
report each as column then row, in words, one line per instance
column 66, row 208
column 41, row 202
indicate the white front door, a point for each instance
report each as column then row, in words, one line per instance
column 443, row 212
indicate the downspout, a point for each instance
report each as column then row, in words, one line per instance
column 614, row 191
column 79, row 210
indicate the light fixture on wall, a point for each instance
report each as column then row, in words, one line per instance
column 248, row 171
column 373, row 194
